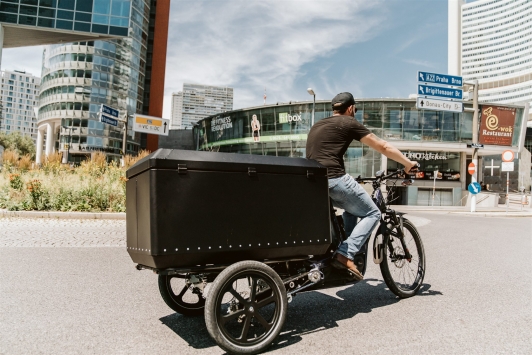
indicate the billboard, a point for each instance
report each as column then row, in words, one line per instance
column 497, row 125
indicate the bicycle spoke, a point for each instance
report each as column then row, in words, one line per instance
column 245, row 329
column 183, row 291
column 253, row 291
column 262, row 321
column 237, row 295
column 266, row 301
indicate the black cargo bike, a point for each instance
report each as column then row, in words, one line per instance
column 235, row 237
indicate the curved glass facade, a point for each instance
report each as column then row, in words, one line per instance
column 78, row 77
column 283, row 129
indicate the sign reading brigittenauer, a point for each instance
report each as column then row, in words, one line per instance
column 497, row 125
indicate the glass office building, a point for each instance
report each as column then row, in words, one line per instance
column 438, row 140
column 106, row 17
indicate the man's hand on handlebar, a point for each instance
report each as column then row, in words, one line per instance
column 412, row 167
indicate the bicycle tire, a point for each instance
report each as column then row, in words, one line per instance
column 401, row 276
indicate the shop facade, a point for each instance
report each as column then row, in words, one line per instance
column 438, row 140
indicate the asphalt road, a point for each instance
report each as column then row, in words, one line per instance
column 60, row 299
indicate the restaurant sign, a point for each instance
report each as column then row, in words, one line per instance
column 497, row 125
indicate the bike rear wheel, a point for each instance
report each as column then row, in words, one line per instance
column 403, row 276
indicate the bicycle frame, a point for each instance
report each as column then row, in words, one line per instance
column 391, row 221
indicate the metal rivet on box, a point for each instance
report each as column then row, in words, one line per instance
column 199, row 248
column 250, row 244
column 175, row 249
column 164, row 249
column 259, row 244
column 187, row 248
column 209, row 247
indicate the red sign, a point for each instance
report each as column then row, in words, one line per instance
column 497, row 125
column 507, row 156
column 471, row 169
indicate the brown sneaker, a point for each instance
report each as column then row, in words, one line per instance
column 341, row 262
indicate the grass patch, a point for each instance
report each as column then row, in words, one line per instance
column 94, row 186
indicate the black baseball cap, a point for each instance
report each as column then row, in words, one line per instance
column 342, row 101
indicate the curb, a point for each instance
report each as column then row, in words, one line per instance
column 64, row 215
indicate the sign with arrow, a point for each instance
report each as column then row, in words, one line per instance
column 441, row 79
column 151, row 125
column 439, row 105
column 474, row 188
column 439, row 91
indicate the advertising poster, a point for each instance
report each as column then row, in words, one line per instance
column 255, row 127
column 497, row 125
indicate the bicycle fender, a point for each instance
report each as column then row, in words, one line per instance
column 378, row 249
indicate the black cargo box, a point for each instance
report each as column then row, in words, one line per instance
column 188, row 208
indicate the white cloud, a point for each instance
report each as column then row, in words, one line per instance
column 422, row 63
column 28, row 59
column 250, row 45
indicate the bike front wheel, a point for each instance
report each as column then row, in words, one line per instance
column 403, row 275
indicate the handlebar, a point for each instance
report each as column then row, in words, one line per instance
column 380, row 177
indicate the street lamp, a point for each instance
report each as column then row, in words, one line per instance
column 311, row 92
column 69, row 141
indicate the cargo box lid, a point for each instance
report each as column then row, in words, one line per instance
column 231, row 162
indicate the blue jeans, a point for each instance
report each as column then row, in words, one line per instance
column 348, row 195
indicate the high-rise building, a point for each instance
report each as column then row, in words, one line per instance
column 177, row 110
column 84, row 71
column 491, row 41
column 18, row 96
column 200, row 101
column 79, row 77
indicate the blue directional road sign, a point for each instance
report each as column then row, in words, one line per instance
column 441, row 79
column 438, row 91
column 109, row 120
column 474, row 188
column 109, row 111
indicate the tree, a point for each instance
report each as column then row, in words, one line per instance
column 22, row 144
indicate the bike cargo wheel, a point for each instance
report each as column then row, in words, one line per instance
column 246, row 307
column 179, row 296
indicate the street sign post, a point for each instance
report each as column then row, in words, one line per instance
column 109, row 120
column 111, row 112
column 150, row 124
column 474, row 188
column 472, row 168
column 507, row 156
column 507, row 165
column 441, row 79
column 438, row 91
column 109, row 115
column 439, row 105
column 476, row 145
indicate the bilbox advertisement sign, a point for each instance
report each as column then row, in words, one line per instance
column 497, row 125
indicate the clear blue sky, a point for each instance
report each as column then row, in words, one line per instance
column 372, row 48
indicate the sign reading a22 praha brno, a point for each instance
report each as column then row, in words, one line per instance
column 497, row 125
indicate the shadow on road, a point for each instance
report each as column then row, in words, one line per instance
column 309, row 313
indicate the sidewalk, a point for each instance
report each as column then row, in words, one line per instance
column 500, row 211
column 63, row 215
column 462, row 210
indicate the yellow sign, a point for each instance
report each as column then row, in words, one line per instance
column 151, row 125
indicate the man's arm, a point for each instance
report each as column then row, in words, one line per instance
column 388, row 150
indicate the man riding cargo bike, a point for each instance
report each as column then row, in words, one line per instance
column 239, row 261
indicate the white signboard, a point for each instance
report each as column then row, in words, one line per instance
column 439, row 105
column 151, row 125
column 507, row 166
